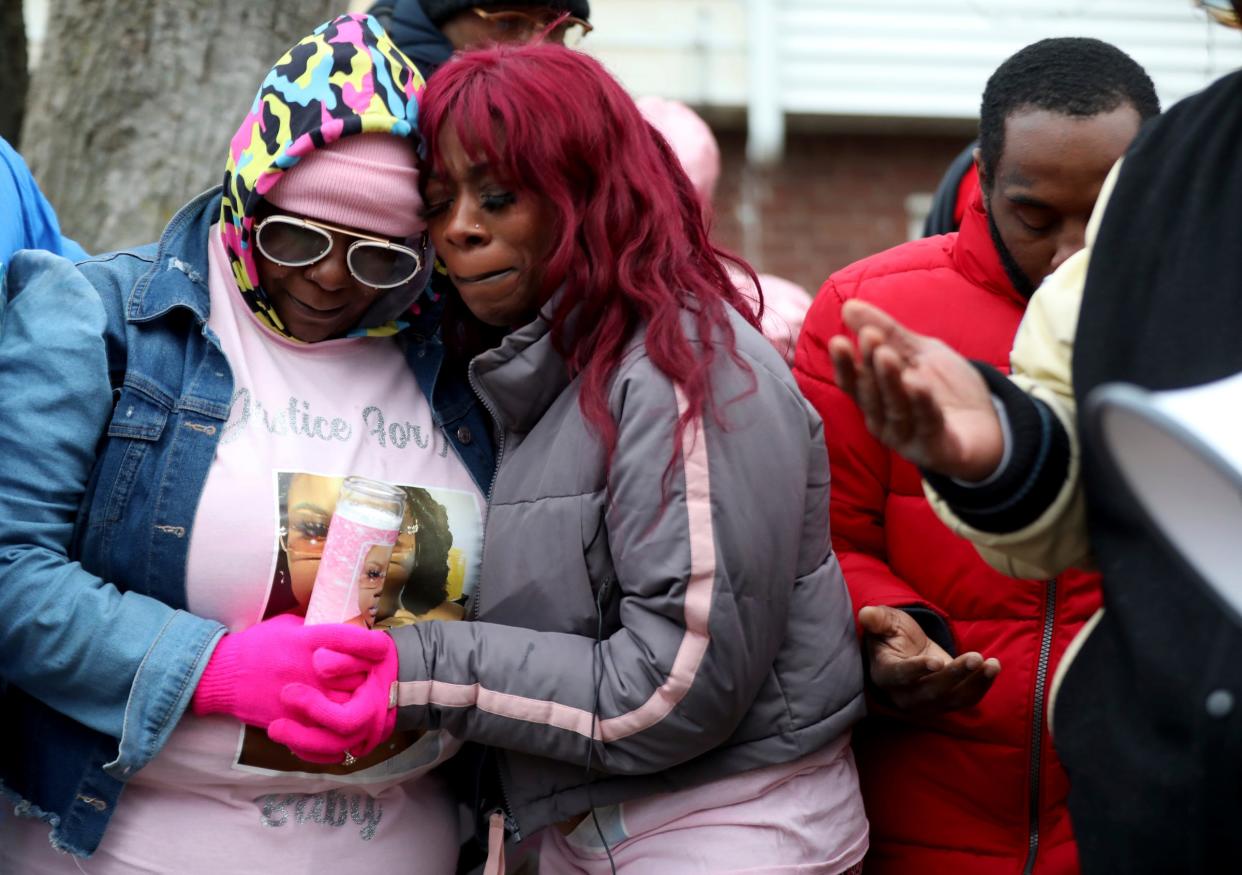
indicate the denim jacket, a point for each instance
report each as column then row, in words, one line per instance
column 115, row 392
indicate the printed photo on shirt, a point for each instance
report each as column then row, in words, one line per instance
column 418, row 565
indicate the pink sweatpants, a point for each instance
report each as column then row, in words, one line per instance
column 800, row 818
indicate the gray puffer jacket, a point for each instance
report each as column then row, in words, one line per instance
column 689, row 628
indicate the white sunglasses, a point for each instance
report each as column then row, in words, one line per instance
column 295, row 242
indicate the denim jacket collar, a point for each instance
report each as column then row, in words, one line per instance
column 180, row 264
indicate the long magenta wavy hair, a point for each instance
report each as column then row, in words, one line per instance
column 629, row 243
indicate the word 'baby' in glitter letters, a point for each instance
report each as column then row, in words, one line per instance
column 331, row 808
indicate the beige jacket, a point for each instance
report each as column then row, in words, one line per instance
column 1040, row 363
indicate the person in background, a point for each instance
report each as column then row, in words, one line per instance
column 784, row 302
column 27, row 220
column 167, row 387
column 1144, row 707
column 670, row 689
column 958, row 773
column 429, row 31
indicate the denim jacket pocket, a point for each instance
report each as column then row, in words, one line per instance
column 137, row 424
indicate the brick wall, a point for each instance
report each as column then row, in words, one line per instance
column 835, row 198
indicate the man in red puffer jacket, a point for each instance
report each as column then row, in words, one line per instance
column 957, row 767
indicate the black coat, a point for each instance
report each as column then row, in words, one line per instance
column 1149, row 717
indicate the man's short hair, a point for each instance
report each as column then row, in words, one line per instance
column 1074, row 76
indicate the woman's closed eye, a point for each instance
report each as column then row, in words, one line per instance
column 494, row 202
column 491, row 202
column 430, row 210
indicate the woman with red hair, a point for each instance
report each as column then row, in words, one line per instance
column 663, row 659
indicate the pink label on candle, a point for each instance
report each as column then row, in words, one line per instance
column 355, row 560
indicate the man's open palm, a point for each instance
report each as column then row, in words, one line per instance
column 913, row 671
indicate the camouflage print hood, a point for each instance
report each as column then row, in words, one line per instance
column 345, row 78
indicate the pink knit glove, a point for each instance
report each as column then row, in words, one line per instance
column 320, row 725
column 248, row 669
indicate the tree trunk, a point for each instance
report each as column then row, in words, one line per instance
column 13, row 76
column 133, row 104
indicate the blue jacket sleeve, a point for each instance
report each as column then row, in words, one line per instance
column 119, row 662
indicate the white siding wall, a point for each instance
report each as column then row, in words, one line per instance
column 912, row 58
column 691, row 50
column 890, row 58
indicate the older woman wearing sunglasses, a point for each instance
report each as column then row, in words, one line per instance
column 153, row 400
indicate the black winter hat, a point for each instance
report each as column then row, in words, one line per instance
column 440, row 11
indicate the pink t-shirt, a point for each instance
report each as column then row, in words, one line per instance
column 221, row 798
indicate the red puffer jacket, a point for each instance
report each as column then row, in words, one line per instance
column 977, row 790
